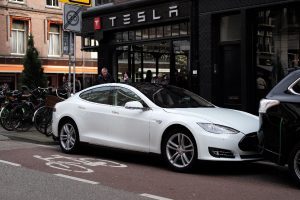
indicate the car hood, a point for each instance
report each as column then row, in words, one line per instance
column 241, row 121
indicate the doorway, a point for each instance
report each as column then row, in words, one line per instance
column 230, row 84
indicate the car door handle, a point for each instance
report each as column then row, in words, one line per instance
column 115, row 112
column 81, row 107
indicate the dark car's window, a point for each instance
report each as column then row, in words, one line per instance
column 101, row 95
column 296, row 87
column 124, row 95
column 173, row 97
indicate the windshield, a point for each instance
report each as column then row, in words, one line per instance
column 173, row 97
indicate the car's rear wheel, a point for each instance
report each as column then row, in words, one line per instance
column 68, row 137
column 179, row 150
column 294, row 163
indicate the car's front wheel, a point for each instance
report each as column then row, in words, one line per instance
column 179, row 150
column 69, row 137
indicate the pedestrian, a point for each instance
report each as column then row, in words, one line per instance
column 149, row 76
column 77, row 85
column 105, row 77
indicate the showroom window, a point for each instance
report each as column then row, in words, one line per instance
column 277, row 46
column 18, row 36
column 54, row 40
column 52, row 3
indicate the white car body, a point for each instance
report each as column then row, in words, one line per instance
column 142, row 130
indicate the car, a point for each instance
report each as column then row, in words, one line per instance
column 153, row 118
column 279, row 116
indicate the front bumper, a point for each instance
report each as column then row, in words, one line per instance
column 228, row 147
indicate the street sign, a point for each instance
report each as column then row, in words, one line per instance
column 72, row 18
column 68, row 45
column 78, row 2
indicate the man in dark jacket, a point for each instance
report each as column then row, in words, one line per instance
column 105, row 77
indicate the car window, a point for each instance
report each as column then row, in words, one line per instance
column 296, row 87
column 124, row 95
column 173, row 97
column 102, row 95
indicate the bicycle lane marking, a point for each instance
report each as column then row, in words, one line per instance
column 77, row 165
column 51, row 160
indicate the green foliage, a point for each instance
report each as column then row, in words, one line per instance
column 33, row 74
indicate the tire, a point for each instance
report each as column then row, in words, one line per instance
column 6, row 118
column 22, row 116
column 69, row 137
column 179, row 150
column 294, row 164
column 42, row 120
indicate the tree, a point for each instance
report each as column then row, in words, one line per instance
column 33, row 74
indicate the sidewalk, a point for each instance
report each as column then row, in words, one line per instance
column 32, row 136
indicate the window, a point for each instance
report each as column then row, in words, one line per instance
column 18, row 1
column 102, row 95
column 52, row 3
column 54, row 40
column 18, row 36
column 123, row 95
column 230, row 28
column 296, row 87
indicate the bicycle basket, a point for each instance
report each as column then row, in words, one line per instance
column 51, row 100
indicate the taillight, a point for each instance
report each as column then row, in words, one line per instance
column 265, row 104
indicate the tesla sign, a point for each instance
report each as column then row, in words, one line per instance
column 165, row 12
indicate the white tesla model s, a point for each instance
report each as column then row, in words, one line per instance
column 166, row 120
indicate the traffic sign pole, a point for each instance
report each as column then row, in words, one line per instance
column 70, row 63
column 74, row 64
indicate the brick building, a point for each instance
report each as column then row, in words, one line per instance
column 42, row 19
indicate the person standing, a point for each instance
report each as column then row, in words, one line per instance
column 105, row 77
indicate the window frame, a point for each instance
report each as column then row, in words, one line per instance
column 59, row 39
column 52, row 6
column 17, row 1
column 25, row 32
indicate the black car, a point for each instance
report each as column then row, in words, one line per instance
column 279, row 114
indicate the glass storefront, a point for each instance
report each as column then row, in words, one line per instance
column 278, row 46
column 161, row 52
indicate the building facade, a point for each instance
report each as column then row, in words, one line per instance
column 230, row 52
column 42, row 19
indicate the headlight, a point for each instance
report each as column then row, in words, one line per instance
column 217, row 129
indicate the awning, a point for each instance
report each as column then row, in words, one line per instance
column 50, row 69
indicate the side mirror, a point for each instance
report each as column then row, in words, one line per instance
column 134, row 105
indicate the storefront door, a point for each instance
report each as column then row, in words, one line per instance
column 231, row 83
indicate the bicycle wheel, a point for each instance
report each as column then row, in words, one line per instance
column 48, row 126
column 22, row 116
column 6, row 117
column 42, row 120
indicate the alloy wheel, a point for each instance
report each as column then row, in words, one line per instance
column 180, row 150
column 68, row 136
